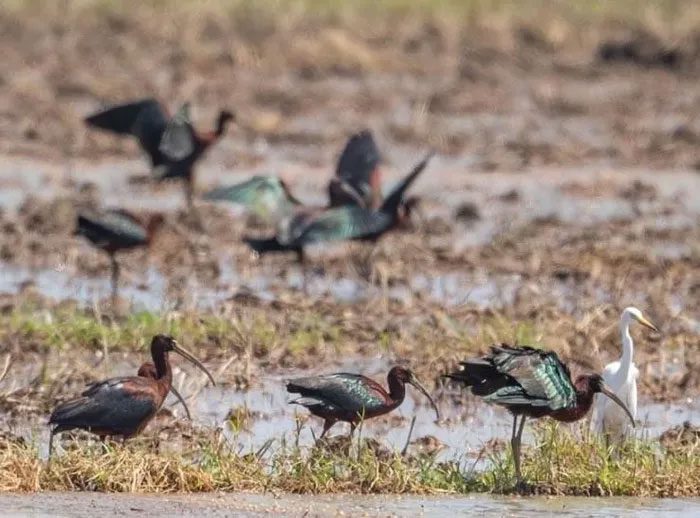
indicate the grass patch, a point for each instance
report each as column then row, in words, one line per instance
column 563, row 463
column 249, row 340
column 558, row 463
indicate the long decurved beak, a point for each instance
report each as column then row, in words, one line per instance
column 413, row 381
column 190, row 357
column 604, row 389
column 182, row 400
column 647, row 324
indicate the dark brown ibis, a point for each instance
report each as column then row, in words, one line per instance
column 532, row 383
column 115, row 231
column 172, row 144
column 349, row 222
column 122, row 406
column 352, row 397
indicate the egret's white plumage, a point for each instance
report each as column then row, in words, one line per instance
column 621, row 376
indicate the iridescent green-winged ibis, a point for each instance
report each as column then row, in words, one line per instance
column 114, row 231
column 532, row 383
column 122, row 406
column 267, row 197
column 357, row 182
column 349, row 222
column 172, row 144
column 352, row 397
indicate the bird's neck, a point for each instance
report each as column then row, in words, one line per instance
column 584, row 397
column 584, row 400
column 163, row 370
column 397, row 390
column 627, row 347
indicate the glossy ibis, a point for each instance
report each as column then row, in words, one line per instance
column 621, row 377
column 172, row 144
column 114, row 231
column 352, row 397
column 122, row 406
column 350, row 222
column 356, row 183
column 532, row 383
column 268, row 197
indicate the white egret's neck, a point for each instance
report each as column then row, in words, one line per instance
column 627, row 345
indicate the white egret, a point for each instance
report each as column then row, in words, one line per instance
column 621, row 377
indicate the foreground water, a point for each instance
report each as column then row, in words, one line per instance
column 244, row 504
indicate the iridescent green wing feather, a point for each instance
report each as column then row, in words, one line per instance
column 177, row 142
column 343, row 223
column 349, row 392
column 264, row 196
column 542, row 378
column 112, row 227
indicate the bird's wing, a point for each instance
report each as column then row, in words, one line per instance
column 358, row 168
column 542, row 378
column 342, row 223
column 145, row 119
column 108, row 227
column 129, row 118
column 117, row 404
column 393, row 200
column 263, row 195
column 350, row 392
column 178, row 140
column 341, row 193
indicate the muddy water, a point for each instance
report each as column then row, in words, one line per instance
column 581, row 196
column 252, row 505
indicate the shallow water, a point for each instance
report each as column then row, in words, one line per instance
column 149, row 290
column 252, row 505
column 541, row 193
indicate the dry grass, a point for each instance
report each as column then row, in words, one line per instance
column 558, row 464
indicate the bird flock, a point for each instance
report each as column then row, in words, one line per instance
column 528, row 382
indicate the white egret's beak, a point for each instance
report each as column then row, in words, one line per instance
column 647, row 324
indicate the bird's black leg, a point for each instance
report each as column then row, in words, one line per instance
column 115, row 278
column 301, row 259
column 53, row 432
column 327, row 424
column 189, row 194
column 515, row 445
column 191, row 209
